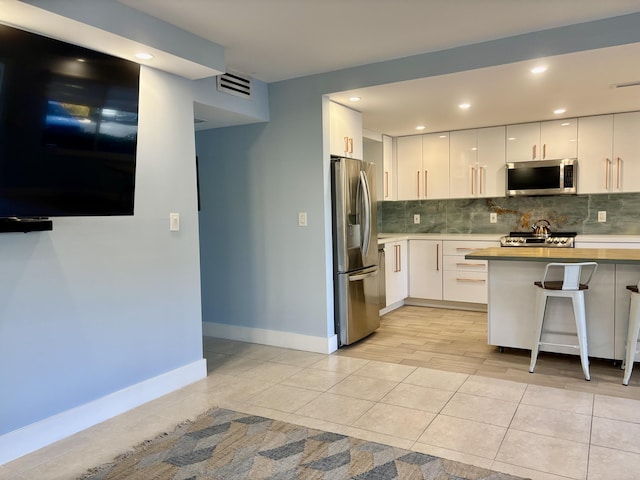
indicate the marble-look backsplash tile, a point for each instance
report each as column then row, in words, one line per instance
column 570, row 213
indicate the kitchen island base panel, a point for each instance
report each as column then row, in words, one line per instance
column 512, row 303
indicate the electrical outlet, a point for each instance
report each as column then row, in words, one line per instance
column 493, row 217
column 416, row 218
column 602, row 216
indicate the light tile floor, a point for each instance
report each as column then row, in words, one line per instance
column 534, row 431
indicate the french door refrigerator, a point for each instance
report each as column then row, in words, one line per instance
column 355, row 249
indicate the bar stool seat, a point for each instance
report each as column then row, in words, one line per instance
column 571, row 287
column 631, row 347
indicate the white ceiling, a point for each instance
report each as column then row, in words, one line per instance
column 274, row 40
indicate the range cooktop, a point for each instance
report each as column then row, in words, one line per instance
column 528, row 239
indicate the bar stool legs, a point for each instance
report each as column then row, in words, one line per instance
column 632, row 333
column 581, row 328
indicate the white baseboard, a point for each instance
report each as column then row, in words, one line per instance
column 271, row 337
column 49, row 430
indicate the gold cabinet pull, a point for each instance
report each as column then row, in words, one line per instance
column 619, row 167
column 386, row 184
column 607, row 169
column 474, row 280
column 467, row 264
column 473, row 178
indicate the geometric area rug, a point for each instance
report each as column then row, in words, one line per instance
column 227, row 445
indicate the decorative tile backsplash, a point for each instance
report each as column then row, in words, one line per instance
column 570, row 213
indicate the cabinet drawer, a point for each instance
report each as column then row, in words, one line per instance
column 468, row 287
column 463, row 247
column 459, row 263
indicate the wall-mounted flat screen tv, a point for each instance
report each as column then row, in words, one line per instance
column 68, row 129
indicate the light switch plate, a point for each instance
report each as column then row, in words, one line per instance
column 416, row 218
column 493, row 217
column 302, row 219
column 602, row 216
column 174, row 222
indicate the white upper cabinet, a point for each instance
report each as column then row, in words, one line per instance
column 626, row 152
column 423, row 166
column 542, row 140
column 345, row 131
column 389, row 170
column 609, row 153
column 435, row 165
column 409, row 158
column 595, row 154
column 477, row 163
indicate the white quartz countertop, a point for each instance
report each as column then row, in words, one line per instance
column 495, row 237
column 393, row 237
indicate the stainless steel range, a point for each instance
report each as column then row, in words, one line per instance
column 529, row 239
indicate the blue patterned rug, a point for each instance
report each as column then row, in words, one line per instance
column 223, row 444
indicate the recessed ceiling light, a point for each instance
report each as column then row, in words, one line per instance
column 420, row 127
column 559, row 111
column 538, row 70
column 143, row 56
column 354, row 99
column 464, row 106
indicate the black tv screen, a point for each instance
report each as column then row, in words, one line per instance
column 68, row 129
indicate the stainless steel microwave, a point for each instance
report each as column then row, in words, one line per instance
column 542, row 177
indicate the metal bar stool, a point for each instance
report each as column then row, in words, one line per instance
column 569, row 287
column 631, row 347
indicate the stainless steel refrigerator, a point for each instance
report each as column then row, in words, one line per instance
column 355, row 248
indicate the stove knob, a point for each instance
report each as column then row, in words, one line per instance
column 563, row 240
column 556, row 240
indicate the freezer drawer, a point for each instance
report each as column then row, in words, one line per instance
column 357, row 304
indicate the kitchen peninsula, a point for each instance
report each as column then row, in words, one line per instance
column 512, row 296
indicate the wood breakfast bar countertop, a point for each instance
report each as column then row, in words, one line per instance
column 512, row 272
column 541, row 254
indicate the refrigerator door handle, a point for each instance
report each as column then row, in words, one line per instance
column 366, row 204
column 371, row 272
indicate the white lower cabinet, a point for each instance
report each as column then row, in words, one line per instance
column 438, row 271
column 624, row 275
column 464, row 280
column 425, row 269
column 512, row 304
column 396, row 274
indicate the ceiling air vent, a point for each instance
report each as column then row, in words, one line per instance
column 235, row 84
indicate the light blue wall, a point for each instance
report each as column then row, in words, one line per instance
column 102, row 303
column 258, row 268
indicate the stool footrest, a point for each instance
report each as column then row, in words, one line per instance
column 559, row 345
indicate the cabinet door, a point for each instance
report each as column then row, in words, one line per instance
column 463, row 166
column 595, row 150
column 388, row 175
column 409, row 162
column 345, row 131
column 522, row 142
column 396, row 278
column 491, row 162
column 425, row 269
column 558, row 139
column 626, row 152
column 435, row 163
